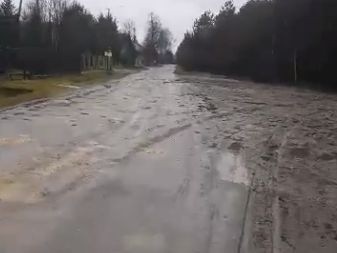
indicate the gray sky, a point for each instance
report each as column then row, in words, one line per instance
column 177, row 15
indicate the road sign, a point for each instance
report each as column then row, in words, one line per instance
column 108, row 53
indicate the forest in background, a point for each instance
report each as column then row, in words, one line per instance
column 51, row 35
column 266, row 40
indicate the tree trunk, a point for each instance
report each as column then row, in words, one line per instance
column 295, row 66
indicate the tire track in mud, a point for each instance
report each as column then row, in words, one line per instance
column 262, row 203
column 276, row 235
column 151, row 141
column 244, row 229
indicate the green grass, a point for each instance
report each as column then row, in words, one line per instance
column 19, row 91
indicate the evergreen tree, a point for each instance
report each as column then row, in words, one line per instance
column 266, row 40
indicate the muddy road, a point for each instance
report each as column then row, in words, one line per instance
column 158, row 162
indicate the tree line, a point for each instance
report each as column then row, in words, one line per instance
column 51, row 35
column 266, row 40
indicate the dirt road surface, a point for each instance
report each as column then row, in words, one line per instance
column 158, row 162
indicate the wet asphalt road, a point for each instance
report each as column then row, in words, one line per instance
column 131, row 166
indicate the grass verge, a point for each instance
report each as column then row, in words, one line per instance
column 19, row 91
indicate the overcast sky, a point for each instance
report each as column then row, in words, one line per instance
column 177, row 15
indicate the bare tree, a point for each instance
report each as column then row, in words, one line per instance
column 129, row 27
column 55, row 10
column 153, row 31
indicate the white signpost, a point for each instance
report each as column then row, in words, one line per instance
column 108, row 55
